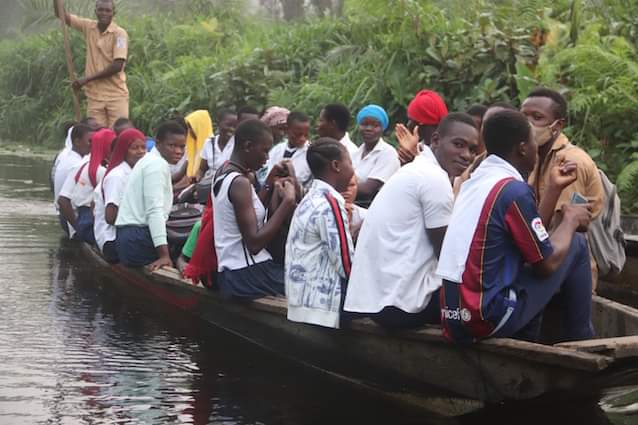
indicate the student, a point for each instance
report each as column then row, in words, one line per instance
column 129, row 149
column 217, row 149
column 246, row 269
column 498, row 106
column 334, row 121
column 477, row 112
column 276, row 118
column 200, row 129
column 77, row 145
column 375, row 161
column 147, row 201
column 546, row 111
column 393, row 277
column 76, row 197
column 499, row 264
column 425, row 112
column 122, row 124
column 104, row 81
column 319, row 247
column 295, row 150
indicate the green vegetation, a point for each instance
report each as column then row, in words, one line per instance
column 208, row 56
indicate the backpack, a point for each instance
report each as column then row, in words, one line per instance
column 606, row 238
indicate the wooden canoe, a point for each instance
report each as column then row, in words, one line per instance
column 412, row 365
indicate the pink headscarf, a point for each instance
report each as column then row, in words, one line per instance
column 427, row 108
column 275, row 115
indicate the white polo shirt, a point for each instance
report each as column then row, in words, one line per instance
column 113, row 184
column 214, row 156
column 67, row 160
column 298, row 158
column 349, row 144
column 394, row 262
column 379, row 164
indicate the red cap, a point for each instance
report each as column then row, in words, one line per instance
column 427, row 108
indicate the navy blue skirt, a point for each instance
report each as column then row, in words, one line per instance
column 252, row 282
column 84, row 231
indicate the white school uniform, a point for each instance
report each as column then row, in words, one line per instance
column 379, row 164
column 81, row 192
column 298, row 158
column 66, row 161
column 394, row 262
column 214, row 155
column 113, row 184
column 349, row 145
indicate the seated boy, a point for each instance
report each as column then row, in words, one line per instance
column 147, row 201
column 393, row 277
column 499, row 265
column 319, row 247
column 298, row 127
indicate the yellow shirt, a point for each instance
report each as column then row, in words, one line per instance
column 102, row 49
column 587, row 182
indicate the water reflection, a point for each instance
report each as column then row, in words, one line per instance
column 74, row 349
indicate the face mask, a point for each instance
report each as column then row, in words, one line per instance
column 543, row 135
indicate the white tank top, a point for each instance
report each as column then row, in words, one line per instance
column 232, row 253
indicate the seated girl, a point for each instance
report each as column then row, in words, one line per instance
column 375, row 161
column 130, row 148
column 246, row 269
column 76, row 197
column 319, row 247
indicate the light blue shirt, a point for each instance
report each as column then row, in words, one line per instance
column 148, row 197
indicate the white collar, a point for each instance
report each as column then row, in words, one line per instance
column 321, row 186
column 378, row 147
column 345, row 139
column 494, row 163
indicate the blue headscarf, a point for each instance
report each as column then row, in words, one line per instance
column 376, row 112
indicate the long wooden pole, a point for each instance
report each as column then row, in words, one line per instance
column 69, row 59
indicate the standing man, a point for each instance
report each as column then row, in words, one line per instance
column 104, row 80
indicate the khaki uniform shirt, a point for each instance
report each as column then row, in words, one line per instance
column 102, row 49
column 587, row 182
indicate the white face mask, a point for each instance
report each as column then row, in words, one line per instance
column 543, row 135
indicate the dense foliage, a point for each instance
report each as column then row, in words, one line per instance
column 381, row 51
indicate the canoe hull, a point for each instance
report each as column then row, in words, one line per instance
column 410, row 365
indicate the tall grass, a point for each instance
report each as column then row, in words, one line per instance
column 381, row 51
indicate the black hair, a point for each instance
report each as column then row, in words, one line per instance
column 86, row 120
column 296, row 116
column 339, row 114
column 224, row 113
column 448, row 122
column 79, row 131
column 67, row 125
column 121, row 122
column 559, row 102
column 504, row 130
column 247, row 110
column 321, row 152
column 502, row 104
column 250, row 130
column 169, row 127
column 477, row 110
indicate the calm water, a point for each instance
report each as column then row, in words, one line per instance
column 75, row 351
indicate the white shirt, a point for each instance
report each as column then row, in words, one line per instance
column 466, row 214
column 379, row 164
column 349, row 144
column 113, row 184
column 394, row 262
column 214, row 156
column 232, row 253
column 81, row 192
column 66, row 161
column 298, row 158
column 319, row 250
